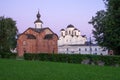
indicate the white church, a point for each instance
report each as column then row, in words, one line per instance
column 71, row 36
column 72, row 42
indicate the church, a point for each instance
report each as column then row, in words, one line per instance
column 37, row 40
column 71, row 41
column 71, row 36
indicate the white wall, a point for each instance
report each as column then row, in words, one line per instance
column 81, row 50
column 70, row 37
column 38, row 25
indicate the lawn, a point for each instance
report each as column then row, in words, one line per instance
column 37, row 70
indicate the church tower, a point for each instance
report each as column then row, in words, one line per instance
column 38, row 23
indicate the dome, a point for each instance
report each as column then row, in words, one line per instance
column 70, row 26
column 38, row 18
column 75, row 29
column 83, row 35
column 62, row 30
column 38, row 15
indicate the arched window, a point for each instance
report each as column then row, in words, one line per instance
column 69, row 32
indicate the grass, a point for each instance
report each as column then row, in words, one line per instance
column 37, row 70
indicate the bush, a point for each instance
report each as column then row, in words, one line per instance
column 8, row 55
column 74, row 58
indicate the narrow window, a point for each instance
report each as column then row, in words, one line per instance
column 69, row 32
column 79, row 49
column 90, row 49
column 75, row 33
column 62, row 33
column 85, row 49
column 95, row 49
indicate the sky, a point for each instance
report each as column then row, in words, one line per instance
column 55, row 14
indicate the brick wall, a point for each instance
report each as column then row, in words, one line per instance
column 38, row 45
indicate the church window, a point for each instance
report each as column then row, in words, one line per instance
column 69, row 32
column 67, row 50
column 95, row 49
column 75, row 33
column 85, row 49
column 79, row 49
column 66, row 32
column 90, row 49
column 30, row 36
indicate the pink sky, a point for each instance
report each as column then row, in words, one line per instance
column 55, row 14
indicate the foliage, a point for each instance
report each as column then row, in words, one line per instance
column 8, row 55
column 74, row 58
column 106, row 25
column 8, row 33
column 99, row 27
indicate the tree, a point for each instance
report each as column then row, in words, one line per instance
column 8, row 33
column 106, row 25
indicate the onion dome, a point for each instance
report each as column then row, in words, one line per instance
column 38, row 18
column 70, row 26
column 38, row 15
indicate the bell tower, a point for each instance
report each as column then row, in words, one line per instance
column 38, row 23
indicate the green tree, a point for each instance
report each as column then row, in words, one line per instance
column 8, row 33
column 106, row 25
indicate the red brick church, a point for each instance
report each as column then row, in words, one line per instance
column 37, row 40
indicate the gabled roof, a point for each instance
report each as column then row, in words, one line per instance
column 39, row 31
